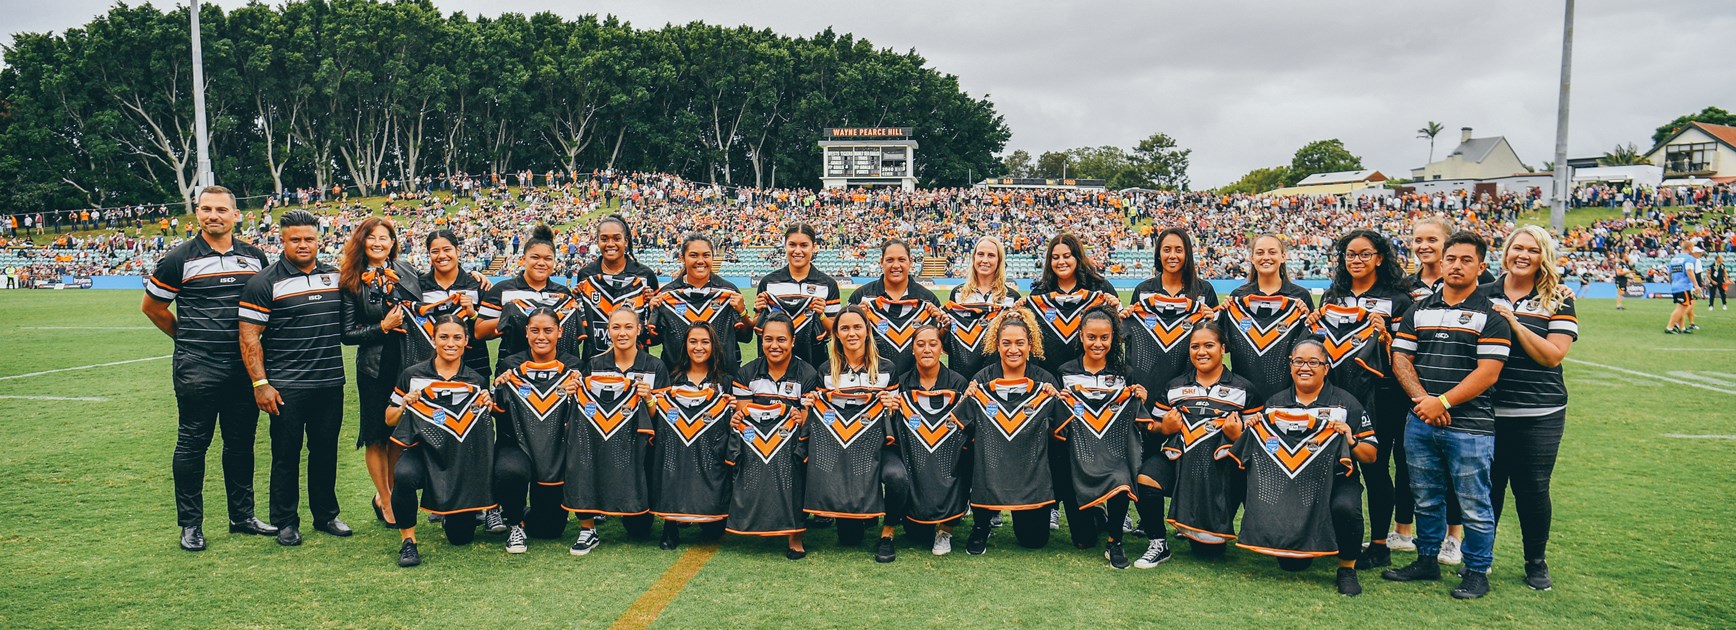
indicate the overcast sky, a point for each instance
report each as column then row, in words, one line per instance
column 1245, row 83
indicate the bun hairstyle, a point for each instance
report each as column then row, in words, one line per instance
column 1311, row 340
column 1115, row 360
column 1208, row 326
column 542, row 234
column 1017, row 318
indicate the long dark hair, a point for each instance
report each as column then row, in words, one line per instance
column 354, row 260
column 626, row 232
column 436, row 235
column 1116, row 361
column 683, row 362
column 1389, row 274
column 1085, row 275
column 1190, row 275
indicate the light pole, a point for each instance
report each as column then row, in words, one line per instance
column 202, row 177
column 1558, row 209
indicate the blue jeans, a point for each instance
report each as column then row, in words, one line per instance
column 1438, row 456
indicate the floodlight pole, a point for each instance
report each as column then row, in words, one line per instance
column 202, row 136
column 1558, row 209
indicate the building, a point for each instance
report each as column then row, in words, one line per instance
column 1474, row 158
column 1338, row 183
column 1698, row 150
column 868, row 157
column 1093, row 185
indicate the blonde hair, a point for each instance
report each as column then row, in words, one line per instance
column 870, row 350
column 1437, row 221
column 998, row 292
column 1550, row 293
column 1023, row 318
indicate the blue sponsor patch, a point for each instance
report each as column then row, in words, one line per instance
column 524, row 390
column 830, row 415
column 882, row 326
column 993, row 409
column 680, row 309
column 672, row 416
column 439, row 416
column 915, row 424
column 1151, row 321
column 1272, row 445
column 1245, row 324
column 747, row 432
column 590, row 409
column 1079, row 409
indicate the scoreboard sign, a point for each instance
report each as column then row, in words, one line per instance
column 867, row 133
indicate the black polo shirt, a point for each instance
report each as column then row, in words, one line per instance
column 1231, row 394
column 755, row 382
column 1445, row 341
column 1287, row 289
column 205, row 286
column 301, row 313
column 1203, row 291
column 1526, row 388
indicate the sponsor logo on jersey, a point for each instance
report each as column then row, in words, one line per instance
column 1010, row 405
column 930, row 416
column 1263, row 320
column 1346, row 329
column 1097, row 408
column 846, row 416
column 768, row 429
column 690, row 411
column 896, row 321
column 1168, row 320
column 539, row 387
column 1294, row 454
column 970, row 322
column 697, row 305
column 610, row 403
column 449, row 407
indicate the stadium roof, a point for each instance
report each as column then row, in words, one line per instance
column 1342, row 177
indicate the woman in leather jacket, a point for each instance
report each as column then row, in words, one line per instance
column 375, row 286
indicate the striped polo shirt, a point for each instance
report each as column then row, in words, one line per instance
column 1445, row 342
column 303, row 334
column 1527, row 389
column 205, row 286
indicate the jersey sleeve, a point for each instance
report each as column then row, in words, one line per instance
column 164, row 283
column 491, row 306
column 1404, row 337
column 1496, row 341
column 256, row 300
column 833, row 305
column 401, row 388
column 1361, row 427
column 1565, row 320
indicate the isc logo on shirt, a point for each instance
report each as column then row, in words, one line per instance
column 227, row 280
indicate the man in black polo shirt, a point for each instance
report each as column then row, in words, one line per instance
column 291, row 343
column 204, row 277
column 1448, row 351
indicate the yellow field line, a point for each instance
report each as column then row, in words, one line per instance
column 645, row 609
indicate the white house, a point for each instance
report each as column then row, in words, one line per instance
column 1474, row 158
column 1336, row 183
column 1698, row 150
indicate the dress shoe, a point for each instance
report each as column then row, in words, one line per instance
column 289, row 536
column 334, row 527
column 252, row 526
column 193, row 538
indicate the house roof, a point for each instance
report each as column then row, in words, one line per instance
column 1341, row 177
column 1722, row 133
column 1476, row 149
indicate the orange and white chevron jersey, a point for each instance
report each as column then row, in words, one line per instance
column 689, row 480
column 1355, row 347
column 535, row 410
column 767, row 455
column 846, row 430
column 1062, row 316
column 1292, row 463
column 453, row 432
column 1158, row 329
column 679, row 308
column 966, row 351
column 894, row 324
column 1102, row 429
column 1259, row 331
column 932, row 439
column 1013, row 419
column 606, row 444
column 602, row 294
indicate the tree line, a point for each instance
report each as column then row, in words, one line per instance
column 349, row 92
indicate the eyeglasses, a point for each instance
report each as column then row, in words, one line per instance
column 1308, row 363
column 1360, row 255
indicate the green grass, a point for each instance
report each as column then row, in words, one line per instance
column 87, row 532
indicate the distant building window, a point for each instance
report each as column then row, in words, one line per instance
column 1689, row 158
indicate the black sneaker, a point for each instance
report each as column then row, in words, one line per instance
column 795, row 554
column 407, row 555
column 515, row 540
column 1424, row 568
column 587, row 541
column 978, row 543
column 1348, row 585
column 885, row 551
column 996, row 520
column 1475, row 585
column 1537, row 575
column 492, row 521
column 1115, row 555
column 1671, row 331
column 1156, row 553
column 1374, row 555
column 670, row 540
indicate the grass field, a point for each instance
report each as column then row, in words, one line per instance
column 87, row 533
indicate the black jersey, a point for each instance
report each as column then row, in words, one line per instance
column 1200, row 482
column 1202, row 291
column 418, row 338
column 605, row 472
column 466, row 285
column 846, row 431
column 932, row 442
column 678, row 310
column 1101, row 427
column 509, row 301
column 1355, row 348
column 796, row 298
column 895, row 323
column 1287, row 289
column 535, row 412
column 1526, row 388
column 1332, row 404
column 967, row 335
column 755, row 382
column 454, row 432
column 1260, row 330
column 767, row 454
column 1062, row 316
column 1013, row 419
column 1292, row 464
column 602, row 294
column 1157, row 329
column 689, row 481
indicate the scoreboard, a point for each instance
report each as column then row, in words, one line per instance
column 865, row 157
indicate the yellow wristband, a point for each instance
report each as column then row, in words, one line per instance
column 260, row 382
column 1444, row 403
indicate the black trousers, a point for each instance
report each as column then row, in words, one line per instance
column 1150, row 507
column 512, row 484
column 1347, row 517
column 1715, row 291
column 409, row 477
column 1525, row 450
column 203, row 410
column 1083, row 526
column 1030, row 527
column 314, row 415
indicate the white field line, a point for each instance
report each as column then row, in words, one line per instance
column 1719, row 379
column 1700, row 437
column 1697, row 349
column 1654, row 376
column 81, row 367
column 77, row 398
column 88, row 327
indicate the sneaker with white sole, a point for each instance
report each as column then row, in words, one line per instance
column 492, row 522
column 942, row 543
column 587, row 541
column 1401, row 542
column 515, row 540
column 1054, row 519
column 1156, row 553
column 996, row 520
column 1450, row 552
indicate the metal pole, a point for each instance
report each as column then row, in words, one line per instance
column 1558, row 211
column 202, row 136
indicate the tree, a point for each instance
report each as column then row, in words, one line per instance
column 1623, row 155
column 1711, row 115
column 1258, row 180
column 1055, row 164
column 1429, row 131
column 1161, row 163
column 1321, row 156
column 1018, row 164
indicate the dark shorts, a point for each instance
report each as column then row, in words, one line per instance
column 1682, row 297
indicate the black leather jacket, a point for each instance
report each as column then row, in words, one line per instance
column 361, row 315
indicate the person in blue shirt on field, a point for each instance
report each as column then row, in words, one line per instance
column 1684, row 283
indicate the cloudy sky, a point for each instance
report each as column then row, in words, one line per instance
column 1245, row 83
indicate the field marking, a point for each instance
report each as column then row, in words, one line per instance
column 645, row 609
column 1720, row 379
column 1650, row 375
column 1700, row 437
column 82, row 367
column 88, row 327
column 78, row 398
column 1698, row 349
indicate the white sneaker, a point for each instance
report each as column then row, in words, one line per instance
column 1054, row 519
column 515, row 541
column 587, row 541
column 1401, row 542
column 1156, row 553
column 942, row 543
column 1450, row 553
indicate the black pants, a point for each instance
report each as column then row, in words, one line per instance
column 1082, row 525
column 1525, row 450
column 1715, row 291
column 1030, row 527
column 409, row 477
column 1388, row 476
column 204, row 409
column 1151, row 517
column 1347, row 517
column 895, row 477
column 512, row 484
column 315, row 415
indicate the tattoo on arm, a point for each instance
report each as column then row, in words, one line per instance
column 1407, row 375
column 251, row 353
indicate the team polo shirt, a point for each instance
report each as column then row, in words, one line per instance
column 755, row 382
column 303, row 333
column 1526, row 388
column 1445, row 342
column 206, row 286
column 1287, row 289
